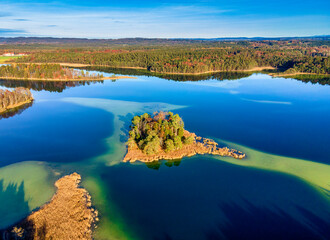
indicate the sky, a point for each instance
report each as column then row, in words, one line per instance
column 164, row 19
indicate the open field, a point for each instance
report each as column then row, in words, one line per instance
column 4, row 59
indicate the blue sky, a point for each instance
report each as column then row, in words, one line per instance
column 164, row 19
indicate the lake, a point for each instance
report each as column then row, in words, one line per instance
column 280, row 191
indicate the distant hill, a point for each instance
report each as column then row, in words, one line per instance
column 121, row 41
column 145, row 41
column 323, row 37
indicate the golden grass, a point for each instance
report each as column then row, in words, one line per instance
column 69, row 215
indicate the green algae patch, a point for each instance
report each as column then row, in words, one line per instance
column 111, row 224
column 314, row 173
column 123, row 112
column 24, row 187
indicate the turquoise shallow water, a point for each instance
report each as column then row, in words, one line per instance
column 281, row 191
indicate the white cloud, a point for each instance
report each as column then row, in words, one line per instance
column 166, row 21
column 267, row 101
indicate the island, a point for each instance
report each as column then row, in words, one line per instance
column 50, row 72
column 69, row 215
column 162, row 136
column 13, row 99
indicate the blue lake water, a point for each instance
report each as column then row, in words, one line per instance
column 281, row 191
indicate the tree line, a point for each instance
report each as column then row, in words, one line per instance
column 45, row 71
column 193, row 60
column 11, row 99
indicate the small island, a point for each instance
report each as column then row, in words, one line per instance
column 163, row 137
column 50, row 72
column 69, row 215
column 13, row 99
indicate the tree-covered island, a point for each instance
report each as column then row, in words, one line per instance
column 13, row 99
column 162, row 136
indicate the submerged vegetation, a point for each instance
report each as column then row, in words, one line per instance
column 15, row 98
column 44, row 71
column 163, row 137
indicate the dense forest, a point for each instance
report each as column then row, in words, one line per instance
column 44, row 71
column 162, row 131
column 15, row 98
column 195, row 60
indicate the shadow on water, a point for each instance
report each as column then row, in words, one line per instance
column 322, row 79
column 24, row 230
column 50, row 86
column 14, row 207
column 155, row 165
column 307, row 78
column 252, row 222
column 127, row 120
column 314, row 79
column 15, row 111
column 174, row 77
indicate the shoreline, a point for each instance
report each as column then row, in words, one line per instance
column 67, row 80
column 255, row 69
column 142, row 68
column 16, row 106
column 295, row 74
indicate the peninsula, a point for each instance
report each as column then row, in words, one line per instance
column 13, row 99
column 163, row 137
column 69, row 215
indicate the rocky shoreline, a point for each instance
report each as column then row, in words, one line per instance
column 199, row 146
column 69, row 215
